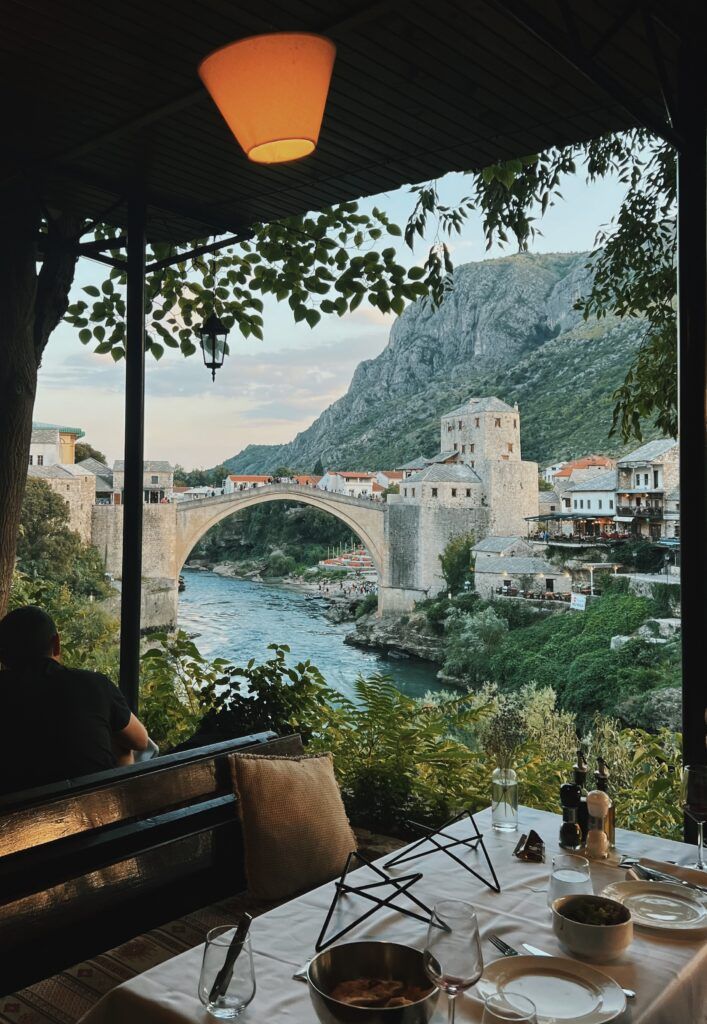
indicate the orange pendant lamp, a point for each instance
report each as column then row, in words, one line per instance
column 271, row 90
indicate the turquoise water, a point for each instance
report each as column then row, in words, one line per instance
column 237, row 619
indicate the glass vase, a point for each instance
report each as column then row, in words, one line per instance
column 504, row 800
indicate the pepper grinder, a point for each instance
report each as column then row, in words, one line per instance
column 570, row 832
column 597, row 844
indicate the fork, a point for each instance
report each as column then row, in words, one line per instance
column 507, row 950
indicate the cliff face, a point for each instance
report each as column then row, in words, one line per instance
column 507, row 328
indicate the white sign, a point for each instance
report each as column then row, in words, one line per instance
column 578, row 602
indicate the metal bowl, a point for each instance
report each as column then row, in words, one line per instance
column 369, row 959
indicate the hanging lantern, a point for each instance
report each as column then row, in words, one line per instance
column 271, row 90
column 212, row 337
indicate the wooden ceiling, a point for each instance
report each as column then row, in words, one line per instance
column 103, row 98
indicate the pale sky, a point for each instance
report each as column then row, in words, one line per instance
column 268, row 391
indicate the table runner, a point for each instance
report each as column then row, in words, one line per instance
column 669, row 975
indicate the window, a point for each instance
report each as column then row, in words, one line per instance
column 459, row 425
column 406, row 492
column 567, row 502
column 549, row 585
column 471, row 448
column 476, row 421
column 497, row 421
column 155, row 479
column 677, row 529
column 600, row 503
column 40, row 460
column 450, row 426
column 509, row 446
column 611, row 502
column 515, row 424
column 575, row 503
column 456, row 447
column 677, row 506
column 434, row 492
column 552, row 508
column 463, row 448
column 413, row 492
column 638, row 479
column 454, row 492
column 645, row 479
column 655, row 478
column 471, row 464
column 581, row 503
column 468, row 492
column 31, row 460
column 589, row 502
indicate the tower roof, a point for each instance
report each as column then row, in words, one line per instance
column 474, row 405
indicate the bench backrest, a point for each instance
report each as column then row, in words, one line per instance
column 89, row 863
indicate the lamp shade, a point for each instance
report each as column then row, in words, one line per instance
column 271, row 90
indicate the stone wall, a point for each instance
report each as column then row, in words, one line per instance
column 512, row 495
column 79, row 493
column 439, row 525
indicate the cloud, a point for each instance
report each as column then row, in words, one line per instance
column 259, row 396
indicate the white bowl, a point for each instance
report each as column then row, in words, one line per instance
column 595, row 942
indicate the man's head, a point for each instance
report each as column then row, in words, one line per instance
column 27, row 634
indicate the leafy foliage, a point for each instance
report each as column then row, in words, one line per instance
column 49, row 550
column 319, row 263
column 398, row 758
column 457, row 562
column 470, row 644
column 84, row 450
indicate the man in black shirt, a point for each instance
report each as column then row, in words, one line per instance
column 58, row 722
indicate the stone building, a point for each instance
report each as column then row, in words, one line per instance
column 500, row 547
column 354, row 484
column 104, row 480
column 157, row 481
column 53, row 444
column 501, row 574
column 476, row 483
column 77, row 486
column 645, row 477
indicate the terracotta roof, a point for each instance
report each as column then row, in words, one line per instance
column 377, row 487
column 250, row 479
column 587, row 462
column 307, row 478
column 392, row 474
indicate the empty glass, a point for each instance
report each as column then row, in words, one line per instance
column 569, row 876
column 239, row 988
column 453, row 958
column 693, row 794
column 507, row 1006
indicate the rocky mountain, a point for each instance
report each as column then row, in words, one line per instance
column 508, row 328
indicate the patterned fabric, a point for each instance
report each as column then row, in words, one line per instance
column 66, row 997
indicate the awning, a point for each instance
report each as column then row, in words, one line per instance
column 624, row 519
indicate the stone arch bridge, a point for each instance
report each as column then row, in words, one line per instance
column 390, row 532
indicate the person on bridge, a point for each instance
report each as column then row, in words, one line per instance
column 59, row 722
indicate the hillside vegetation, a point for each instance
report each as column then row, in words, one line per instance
column 509, row 329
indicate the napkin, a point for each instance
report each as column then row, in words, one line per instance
column 693, row 875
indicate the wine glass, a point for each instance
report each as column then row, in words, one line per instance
column 503, row 1007
column 453, row 958
column 693, row 796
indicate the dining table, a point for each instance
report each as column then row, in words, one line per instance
column 668, row 974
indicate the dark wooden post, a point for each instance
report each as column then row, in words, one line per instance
column 692, row 300
column 134, row 453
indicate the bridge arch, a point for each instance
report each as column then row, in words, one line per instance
column 366, row 519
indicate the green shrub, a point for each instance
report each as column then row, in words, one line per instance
column 367, row 605
column 471, row 640
column 279, row 564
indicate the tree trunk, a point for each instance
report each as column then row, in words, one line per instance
column 31, row 305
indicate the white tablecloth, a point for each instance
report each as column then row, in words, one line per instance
column 669, row 975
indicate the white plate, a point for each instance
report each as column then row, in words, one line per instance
column 664, row 906
column 562, row 990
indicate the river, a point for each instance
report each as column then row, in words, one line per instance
column 237, row 619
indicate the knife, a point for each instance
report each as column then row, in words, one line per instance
column 223, row 978
column 628, row 992
column 653, row 875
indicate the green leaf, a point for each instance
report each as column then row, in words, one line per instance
column 313, row 316
column 91, row 289
column 85, row 336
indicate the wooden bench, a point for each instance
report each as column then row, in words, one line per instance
column 89, row 863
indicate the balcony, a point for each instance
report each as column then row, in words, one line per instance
column 640, row 511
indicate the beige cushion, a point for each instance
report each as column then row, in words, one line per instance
column 295, row 830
